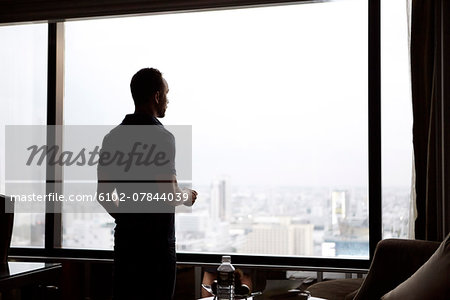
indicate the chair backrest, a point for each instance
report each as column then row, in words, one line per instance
column 6, row 227
column 395, row 260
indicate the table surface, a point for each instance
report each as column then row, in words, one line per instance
column 20, row 268
column 250, row 298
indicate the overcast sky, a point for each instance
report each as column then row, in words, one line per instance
column 275, row 95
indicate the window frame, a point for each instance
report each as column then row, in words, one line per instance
column 55, row 92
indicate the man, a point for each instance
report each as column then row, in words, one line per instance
column 144, row 245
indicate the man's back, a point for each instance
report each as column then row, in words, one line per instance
column 144, row 246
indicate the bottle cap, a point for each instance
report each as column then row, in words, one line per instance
column 226, row 259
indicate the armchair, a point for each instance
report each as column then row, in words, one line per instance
column 395, row 260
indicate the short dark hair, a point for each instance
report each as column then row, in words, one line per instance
column 144, row 85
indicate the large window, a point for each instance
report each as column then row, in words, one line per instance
column 23, row 99
column 277, row 100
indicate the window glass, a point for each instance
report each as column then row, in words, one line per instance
column 277, row 100
column 397, row 148
column 23, row 101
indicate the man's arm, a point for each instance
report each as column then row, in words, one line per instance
column 167, row 180
column 187, row 196
column 105, row 195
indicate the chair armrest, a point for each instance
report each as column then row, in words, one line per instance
column 395, row 260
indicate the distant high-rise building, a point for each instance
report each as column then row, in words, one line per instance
column 188, row 222
column 267, row 239
column 302, row 241
column 282, row 238
column 339, row 207
column 221, row 200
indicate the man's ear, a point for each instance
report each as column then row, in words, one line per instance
column 157, row 97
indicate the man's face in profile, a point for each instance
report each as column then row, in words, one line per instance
column 163, row 101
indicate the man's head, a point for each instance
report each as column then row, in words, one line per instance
column 149, row 90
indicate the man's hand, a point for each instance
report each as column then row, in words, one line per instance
column 192, row 196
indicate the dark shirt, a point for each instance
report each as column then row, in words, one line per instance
column 149, row 230
column 144, row 243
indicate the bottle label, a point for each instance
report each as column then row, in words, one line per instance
column 225, row 286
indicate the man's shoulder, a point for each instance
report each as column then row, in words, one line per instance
column 125, row 135
column 112, row 134
column 168, row 135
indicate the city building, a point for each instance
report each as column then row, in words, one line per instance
column 220, row 200
column 278, row 236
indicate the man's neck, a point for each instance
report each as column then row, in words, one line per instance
column 145, row 111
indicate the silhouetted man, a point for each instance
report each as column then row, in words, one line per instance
column 137, row 162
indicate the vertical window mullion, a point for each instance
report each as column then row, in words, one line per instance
column 375, row 227
column 55, row 94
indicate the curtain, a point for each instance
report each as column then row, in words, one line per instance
column 431, row 116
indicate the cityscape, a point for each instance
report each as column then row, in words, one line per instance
column 278, row 221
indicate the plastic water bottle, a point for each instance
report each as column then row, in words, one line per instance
column 225, row 279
